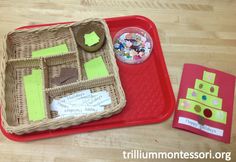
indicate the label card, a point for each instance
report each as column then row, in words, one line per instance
column 205, row 128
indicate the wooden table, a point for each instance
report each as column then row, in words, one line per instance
column 191, row 31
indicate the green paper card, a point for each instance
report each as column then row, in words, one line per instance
column 203, row 98
column 51, row 51
column 198, row 109
column 96, row 68
column 34, row 95
column 206, row 87
column 209, row 77
column 91, row 39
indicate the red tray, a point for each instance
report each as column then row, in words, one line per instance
column 149, row 94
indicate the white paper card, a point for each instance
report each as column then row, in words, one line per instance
column 205, row 128
column 81, row 103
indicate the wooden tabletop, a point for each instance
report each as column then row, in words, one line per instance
column 191, row 31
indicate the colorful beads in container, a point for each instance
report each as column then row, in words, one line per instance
column 132, row 45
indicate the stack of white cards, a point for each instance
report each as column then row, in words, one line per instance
column 81, row 103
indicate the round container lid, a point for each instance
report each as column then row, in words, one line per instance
column 132, row 45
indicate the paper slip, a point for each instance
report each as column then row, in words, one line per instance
column 81, row 103
column 86, row 98
column 92, row 100
column 75, row 96
column 70, row 115
column 65, row 109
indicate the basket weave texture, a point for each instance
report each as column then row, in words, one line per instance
column 17, row 61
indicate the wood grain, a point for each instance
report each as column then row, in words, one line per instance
column 191, row 31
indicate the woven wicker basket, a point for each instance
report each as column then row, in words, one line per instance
column 17, row 62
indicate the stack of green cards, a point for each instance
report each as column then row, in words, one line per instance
column 34, row 95
column 96, row 68
column 51, row 51
column 91, row 39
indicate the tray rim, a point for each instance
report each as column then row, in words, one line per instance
column 73, row 130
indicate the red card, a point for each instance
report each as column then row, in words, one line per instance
column 205, row 102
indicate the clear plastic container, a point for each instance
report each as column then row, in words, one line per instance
column 132, row 45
